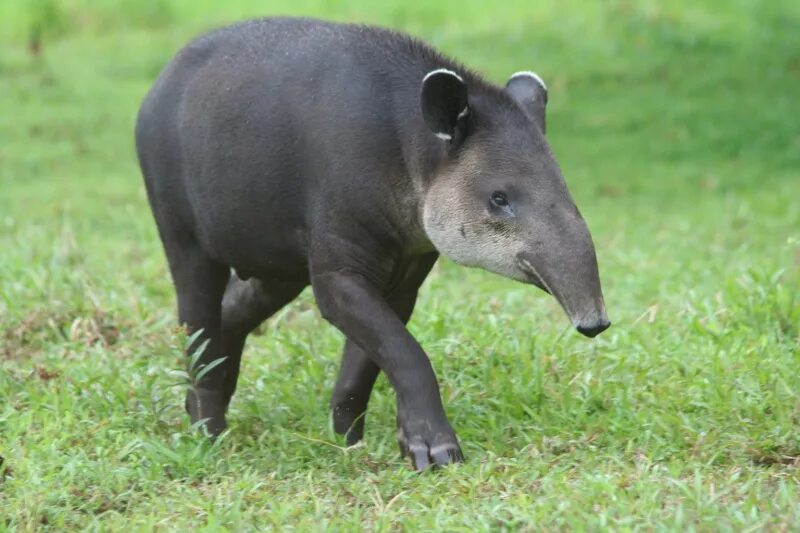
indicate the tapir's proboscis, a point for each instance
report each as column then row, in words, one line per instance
column 283, row 152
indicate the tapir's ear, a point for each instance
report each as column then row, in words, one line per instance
column 444, row 104
column 530, row 91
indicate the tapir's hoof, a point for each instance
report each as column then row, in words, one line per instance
column 425, row 455
column 348, row 422
column 209, row 406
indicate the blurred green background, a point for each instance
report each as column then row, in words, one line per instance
column 676, row 125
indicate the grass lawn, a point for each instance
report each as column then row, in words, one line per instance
column 677, row 125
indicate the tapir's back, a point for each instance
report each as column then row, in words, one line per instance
column 252, row 123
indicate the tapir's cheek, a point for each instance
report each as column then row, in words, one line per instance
column 495, row 225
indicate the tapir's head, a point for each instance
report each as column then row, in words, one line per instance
column 498, row 200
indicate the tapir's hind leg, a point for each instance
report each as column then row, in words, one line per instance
column 358, row 373
column 247, row 304
column 200, row 283
column 351, row 394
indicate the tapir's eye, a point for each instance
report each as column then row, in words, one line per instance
column 499, row 199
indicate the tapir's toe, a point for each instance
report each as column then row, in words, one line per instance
column 349, row 421
column 208, row 406
column 424, row 455
column 445, row 455
column 354, row 435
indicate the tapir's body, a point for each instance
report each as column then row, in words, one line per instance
column 294, row 151
column 262, row 134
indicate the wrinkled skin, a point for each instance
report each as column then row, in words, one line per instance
column 285, row 152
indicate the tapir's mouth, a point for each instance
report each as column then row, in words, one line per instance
column 532, row 274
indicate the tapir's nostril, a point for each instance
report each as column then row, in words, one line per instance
column 595, row 329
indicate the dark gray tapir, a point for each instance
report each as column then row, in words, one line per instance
column 283, row 152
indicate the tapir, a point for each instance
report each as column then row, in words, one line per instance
column 285, row 152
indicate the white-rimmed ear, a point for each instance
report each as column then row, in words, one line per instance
column 530, row 92
column 444, row 103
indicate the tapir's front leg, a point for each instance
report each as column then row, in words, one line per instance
column 356, row 306
column 358, row 372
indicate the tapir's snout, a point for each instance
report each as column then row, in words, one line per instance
column 568, row 271
column 594, row 326
column 592, row 321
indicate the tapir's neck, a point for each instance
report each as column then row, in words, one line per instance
column 423, row 153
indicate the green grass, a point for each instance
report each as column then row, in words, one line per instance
column 676, row 125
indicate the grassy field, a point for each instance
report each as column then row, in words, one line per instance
column 676, row 124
